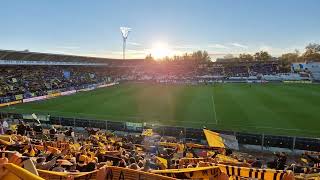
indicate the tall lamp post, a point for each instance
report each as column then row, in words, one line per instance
column 125, row 32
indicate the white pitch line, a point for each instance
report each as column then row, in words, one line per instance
column 214, row 109
column 159, row 120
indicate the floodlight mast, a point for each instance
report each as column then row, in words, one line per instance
column 125, row 32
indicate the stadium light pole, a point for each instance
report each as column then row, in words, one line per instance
column 125, row 32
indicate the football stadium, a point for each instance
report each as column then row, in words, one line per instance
column 181, row 91
column 256, row 108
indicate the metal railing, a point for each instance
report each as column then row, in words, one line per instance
column 265, row 141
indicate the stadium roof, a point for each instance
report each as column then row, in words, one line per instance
column 37, row 56
column 11, row 55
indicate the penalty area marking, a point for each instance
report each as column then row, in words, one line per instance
column 214, row 109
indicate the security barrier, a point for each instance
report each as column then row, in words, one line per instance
column 269, row 174
column 109, row 173
column 18, row 173
column 191, row 173
column 51, row 175
column 11, row 103
column 118, row 173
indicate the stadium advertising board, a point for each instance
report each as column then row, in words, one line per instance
column 10, row 103
column 134, row 126
column 53, row 95
column 19, row 96
column 5, row 99
column 107, row 85
column 84, row 90
column 40, row 117
column 298, row 82
column 68, row 92
column 34, row 99
column 89, row 88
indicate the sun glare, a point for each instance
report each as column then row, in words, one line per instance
column 160, row 50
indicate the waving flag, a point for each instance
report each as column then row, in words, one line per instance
column 35, row 118
column 147, row 132
column 221, row 140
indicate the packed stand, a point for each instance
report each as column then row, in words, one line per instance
column 64, row 150
column 27, row 81
column 20, row 82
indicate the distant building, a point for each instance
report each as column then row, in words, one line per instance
column 312, row 67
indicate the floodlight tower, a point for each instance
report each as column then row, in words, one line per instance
column 125, row 32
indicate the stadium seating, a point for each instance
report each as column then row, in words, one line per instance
column 24, row 81
column 113, row 150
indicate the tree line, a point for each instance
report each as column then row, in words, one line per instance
column 312, row 53
column 202, row 56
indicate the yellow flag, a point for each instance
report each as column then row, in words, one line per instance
column 32, row 153
column 221, row 140
column 214, row 139
column 304, row 160
column 101, row 144
column 163, row 161
column 147, row 132
column 228, row 159
column 112, row 140
column 180, row 148
column 5, row 142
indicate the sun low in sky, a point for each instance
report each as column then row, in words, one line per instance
column 160, row 50
column 91, row 29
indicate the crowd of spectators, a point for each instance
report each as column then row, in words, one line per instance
column 63, row 150
column 29, row 81
column 190, row 70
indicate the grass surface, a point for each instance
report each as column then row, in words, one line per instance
column 279, row 109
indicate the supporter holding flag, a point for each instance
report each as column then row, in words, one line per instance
column 5, row 125
column 219, row 140
column 147, row 132
column 52, row 132
column 60, row 137
column 38, row 129
column 1, row 127
column 314, row 160
column 21, row 129
column 35, row 118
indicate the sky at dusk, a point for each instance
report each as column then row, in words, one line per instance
column 164, row 27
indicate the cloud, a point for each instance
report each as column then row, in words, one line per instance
column 239, row 45
column 218, row 46
column 130, row 54
column 134, row 43
column 131, row 51
column 266, row 48
column 278, row 51
column 67, row 50
column 68, row 47
column 185, row 47
column 54, row 51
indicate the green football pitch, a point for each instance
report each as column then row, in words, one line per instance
column 278, row 109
